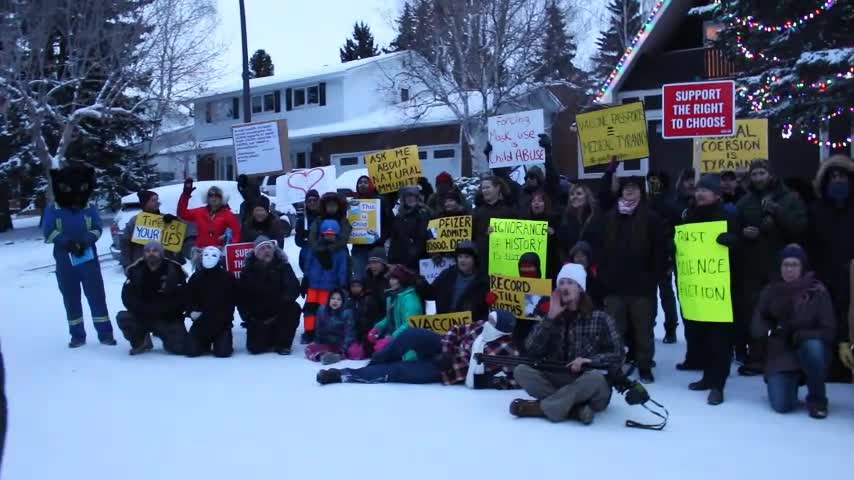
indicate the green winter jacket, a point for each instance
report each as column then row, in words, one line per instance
column 400, row 306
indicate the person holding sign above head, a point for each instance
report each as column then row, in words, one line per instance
column 461, row 287
column 795, row 315
column 216, row 225
column 130, row 251
column 326, row 270
column 212, row 297
column 365, row 190
column 402, row 302
column 409, row 230
column 493, row 191
column 261, row 221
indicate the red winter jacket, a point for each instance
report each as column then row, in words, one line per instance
column 210, row 226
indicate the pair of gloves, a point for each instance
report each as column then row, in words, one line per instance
column 378, row 342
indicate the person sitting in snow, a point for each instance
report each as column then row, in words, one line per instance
column 575, row 333
column 326, row 270
column 212, row 296
column 461, row 287
column 402, row 302
column 423, row 356
column 155, row 297
column 357, row 302
column 335, row 333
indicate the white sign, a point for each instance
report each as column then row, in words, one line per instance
column 515, row 139
column 292, row 187
column 431, row 270
column 260, row 148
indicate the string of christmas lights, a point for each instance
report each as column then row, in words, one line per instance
column 815, row 138
column 751, row 23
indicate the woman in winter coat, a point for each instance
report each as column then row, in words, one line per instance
column 212, row 297
column 216, row 225
column 332, row 207
column 326, row 270
column 402, row 302
column 540, row 208
column 409, row 231
column 795, row 315
column 580, row 221
column 365, row 190
column 335, row 332
column 261, row 221
column 494, row 192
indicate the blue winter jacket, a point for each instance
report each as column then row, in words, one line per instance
column 64, row 226
column 323, row 279
column 335, row 327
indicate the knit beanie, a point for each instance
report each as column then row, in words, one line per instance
column 329, row 226
column 466, row 247
column 262, row 240
column 573, row 271
column 583, row 247
column 503, row 320
column 260, row 201
column 793, row 250
column 403, row 275
column 640, row 182
column 153, row 245
column 377, row 254
column 759, row 163
column 312, row 194
column 408, row 190
column 144, row 196
column 445, row 178
column 711, row 182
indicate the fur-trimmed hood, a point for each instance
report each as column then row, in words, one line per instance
column 837, row 161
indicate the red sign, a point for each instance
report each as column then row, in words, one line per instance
column 235, row 254
column 700, row 109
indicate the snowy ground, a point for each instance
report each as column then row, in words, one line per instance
column 97, row 413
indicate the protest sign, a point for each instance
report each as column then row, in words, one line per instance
column 394, row 168
column 515, row 139
column 510, row 239
column 292, row 187
column 440, row 323
column 703, row 273
column 519, row 296
column 448, row 232
column 698, row 109
column 613, row 132
column 430, row 270
column 717, row 154
column 261, row 148
column 364, row 216
column 150, row 227
column 235, row 255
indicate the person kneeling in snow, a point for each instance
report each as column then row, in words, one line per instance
column 212, row 297
column 154, row 295
column 268, row 290
column 335, row 333
column 575, row 333
column 402, row 302
column 424, row 356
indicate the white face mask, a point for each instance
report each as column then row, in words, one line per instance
column 210, row 257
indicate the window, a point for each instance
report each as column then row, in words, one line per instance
column 446, row 153
column 345, row 161
column 264, row 103
column 305, row 96
column 301, row 160
column 711, row 31
column 220, row 110
column 422, row 154
column 404, row 94
column 313, row 95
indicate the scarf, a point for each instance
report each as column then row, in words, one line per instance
column 627, row 208
column 786, row 296
column 488, row 334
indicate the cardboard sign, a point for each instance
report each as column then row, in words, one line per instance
column 292, row 187
column 394, row 168
column 150, row 227
column 699, row 109
column 515, row 139
column 430, row 270
column 703, row 273
column 448, row 232
column 520, row 296
column 510, row 239
column 440, row 323
column 261, row 148
column 364, row 216
column 716, row 154
column 235, row 255
column 616, row 131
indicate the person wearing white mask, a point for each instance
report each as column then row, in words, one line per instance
column 212, row 298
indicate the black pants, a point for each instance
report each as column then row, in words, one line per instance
column 668, row 303
column 3, row 408
column 693, row 357
column 199, row 344
column 264, row 335
column 713, row 349
column 171, row 332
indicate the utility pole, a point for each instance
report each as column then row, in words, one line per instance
column 247, row 100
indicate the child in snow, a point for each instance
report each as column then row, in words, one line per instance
column 357, row 303
column 212, row 296
column 326, row 270
column 335, row 332
column 402, row 302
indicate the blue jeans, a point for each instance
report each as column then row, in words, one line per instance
column 783, row 386
column 387, row 366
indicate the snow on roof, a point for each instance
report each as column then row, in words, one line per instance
column 299, row 76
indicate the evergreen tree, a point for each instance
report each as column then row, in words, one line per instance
column 360, row 46
column 624, row 24
column 261, row 64
column 405, row 26
column 557, row 50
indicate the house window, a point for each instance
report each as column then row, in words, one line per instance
column 220, row 110
column 404, row 94
column 264, row 103
column 446, row 153
column 345, row 161
column 301, row 160
column 711, row 31
column 305, row 96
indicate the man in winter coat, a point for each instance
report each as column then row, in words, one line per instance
column 155, row 297
column 409, row 231
column 731, row 191
column 267, row 293
column 376, row 284
column 261, row 221
column 211, row 296
column 74, row 227
column 131, row 252
column 216, row 225
column 770, row 218
column 304, row 222
column 576, row 334
column 462, row 287
column 365, row 190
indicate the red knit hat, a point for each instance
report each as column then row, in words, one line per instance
column 444, row 177
column 403, row 275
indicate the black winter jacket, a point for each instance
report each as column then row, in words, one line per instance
column 633, row 252
column 156, row 295
column 264, row 289
column 409, row 236
column 213, row 292
column 473, row 299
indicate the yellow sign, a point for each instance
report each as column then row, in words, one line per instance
column 440, row 323
column 703, row 274
column 519, row 296
column 716, row 154
column 150, row 227
column 364, row 216
column 448, row 232
column 616, row 131
column 510, row 239
column 394, row 168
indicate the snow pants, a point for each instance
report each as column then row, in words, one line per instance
column 70, row 278
column 559, row 393
column 171, row 332
column 313, row 300
column 387, row 366
column 264, row 335
column 200, row 344
column 634, row 314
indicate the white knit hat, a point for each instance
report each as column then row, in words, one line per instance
column 574, row 271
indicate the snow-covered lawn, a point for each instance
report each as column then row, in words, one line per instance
column 97, row 413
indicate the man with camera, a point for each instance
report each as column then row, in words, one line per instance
column 575, row 334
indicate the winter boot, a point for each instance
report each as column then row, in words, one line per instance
column 749, row 370
column 817, row 410
column 700, row 386
column 307, row 337
column 145, row 346
column 77, row 342
column 670, row 336
column 332, row 375
column 283, row 350
column 687, row 367
column 583, row 413
column 645, row 375
column 107, row 339
column 716, row 397
column 526, row 408
column 329, row 358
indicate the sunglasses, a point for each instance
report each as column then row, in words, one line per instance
column 212, row 195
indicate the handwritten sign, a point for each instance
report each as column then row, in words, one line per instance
column 616, row 131
column 364, row 216
column 440, row 323
column 698, row 109
column 717, row 154
column 394, row 168
column 510, row 239
column 292, row 187
column 703, row 273
column 447, row 232
column 515, row 139
column 150, row 227
column 520, row 296
column 261, row 148
column 235, row 255
column 430, row 270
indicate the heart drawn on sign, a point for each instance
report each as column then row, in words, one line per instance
column 305, row 180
